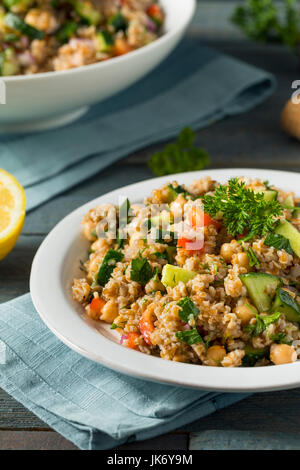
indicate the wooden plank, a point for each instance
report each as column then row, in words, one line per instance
column 264, row 412
column 32, row 440
column 13, row 415
column 244, row 440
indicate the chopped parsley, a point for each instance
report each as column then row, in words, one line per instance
column 180, row 156
column 165, row 237
column 114, row 326
column 280, row 338
column 279, row 242
column 253, row 260
column 175, row 191
column 188, row 309
column 141, row 271
column 189, row 336
column 155, row 277
column 167, row 255
column 262, row 323
column 242, row 210
column 111, row 258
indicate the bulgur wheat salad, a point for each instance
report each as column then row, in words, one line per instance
column 202, row 273
column 53, row 35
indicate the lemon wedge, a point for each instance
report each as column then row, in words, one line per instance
column 12, row 212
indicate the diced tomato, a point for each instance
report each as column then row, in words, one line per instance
column 194, row 246
column 146, row 326
column 242, row 235
column 97, row 304
column 198, row 218
column 131, row 340
column 122, row 47
column 155, row 12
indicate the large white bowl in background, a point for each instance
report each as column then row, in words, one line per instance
column 45, row 100
column 57, row 262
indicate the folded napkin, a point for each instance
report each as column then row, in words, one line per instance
column 195, row 86
column 90, row 405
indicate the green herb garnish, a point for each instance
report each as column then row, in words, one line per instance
column 141, row 271
column 109, row 262
column 179, row 157
column 165, row 237
column 189, row 336
column 280, row 338
column 188, row 309
column 242, row 210
column 253, row 260
column 279, row 242
column 262, row 322
column 264, row 21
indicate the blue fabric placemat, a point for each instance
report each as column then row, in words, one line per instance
column 92, row 406
column 195, row 86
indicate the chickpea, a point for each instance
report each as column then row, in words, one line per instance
column 245, row 312
column 215, row 355
column 227, row 252
column 109, row 312
column 241, row 259
column 282, row 354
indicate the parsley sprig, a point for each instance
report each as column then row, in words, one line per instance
column 188, row 309
column 262, row 323
column 180, row 156
column 189, row 337
column 270, row 21
column 242, row 210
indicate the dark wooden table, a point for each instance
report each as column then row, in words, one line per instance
column 250, row 140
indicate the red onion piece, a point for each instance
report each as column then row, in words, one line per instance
column 123, row 338
column 151, row 25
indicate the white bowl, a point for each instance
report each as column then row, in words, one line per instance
column 57, row 262
column 45, row 100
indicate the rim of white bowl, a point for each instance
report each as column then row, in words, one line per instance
column 135, row 363
column 191, row 4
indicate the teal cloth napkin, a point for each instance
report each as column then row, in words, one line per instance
column 195, row 86
column 92, row 406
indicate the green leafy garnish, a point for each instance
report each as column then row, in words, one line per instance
column 180, row 156
column 262, row 322
column 188, row 309
column 189, row 336
column 279, row 242
column 109, row 262
column 165, row 237
column 288, row 300
column 280, row 338
column 264, row 21
column 141, row 271
column 114, row 326
column 253, row 260
column 175, row 191
column 242, row 210
column 168, row 255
